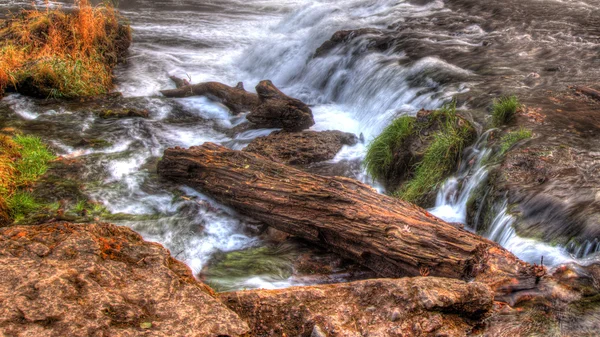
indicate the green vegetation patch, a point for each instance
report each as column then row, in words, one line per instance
column 504, row 110
column 380, row 152
column 511, row 138
column 440, row 157
column 23, row 160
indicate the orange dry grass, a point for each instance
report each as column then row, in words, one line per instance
column 8, row 153
column 54, row 53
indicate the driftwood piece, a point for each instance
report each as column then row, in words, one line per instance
column 277, row 110
column 235, row 99
column 392, row 237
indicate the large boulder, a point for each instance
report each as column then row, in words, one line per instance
column 101, row 280
column 298, row 148
column 277, row 110
column 421, row 306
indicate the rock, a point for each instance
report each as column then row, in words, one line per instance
column 64, row 279
column 298, row 148
column 345, row 36
column 551, row 181
column 441, row 306
column 277, row 110
column 123, row 113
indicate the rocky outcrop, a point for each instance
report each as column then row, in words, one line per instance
column 277, row 110
column 421, row 306
column 552, row 180
column 101, row 280
column 298, row 148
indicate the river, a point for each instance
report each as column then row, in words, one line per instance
column 439, row 50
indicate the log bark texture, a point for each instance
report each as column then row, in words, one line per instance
column 392, row 237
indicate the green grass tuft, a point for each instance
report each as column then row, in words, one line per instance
column 380, row 152
column 21, row 204
column 34, row 159
column 511, row 138
column 440, row 157
column 504, row 110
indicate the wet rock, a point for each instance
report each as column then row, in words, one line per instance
column 345, row 36
column 123, row 113
column 411, row 151
column 440, row 306
column 551, row 181
column 277, row 110
column 64, row 279
column 298, row 148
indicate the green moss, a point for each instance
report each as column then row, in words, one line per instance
column 504, row 110
column 380, row 152
column 511, row 138
column 441, row 156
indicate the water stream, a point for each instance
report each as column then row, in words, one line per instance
column 353, row 88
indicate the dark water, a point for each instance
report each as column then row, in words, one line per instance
column 421, row 55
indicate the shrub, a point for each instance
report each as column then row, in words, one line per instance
column 52, row 53
column 504, row 110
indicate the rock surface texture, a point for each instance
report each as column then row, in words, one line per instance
column 298, row 148
column 421, row 306
column 101, row 280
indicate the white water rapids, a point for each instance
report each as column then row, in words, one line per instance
column 351, row 88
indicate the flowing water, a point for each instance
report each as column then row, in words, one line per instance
column 421, row 54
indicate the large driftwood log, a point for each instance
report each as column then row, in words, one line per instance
column 392, row 237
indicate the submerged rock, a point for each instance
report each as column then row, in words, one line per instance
column 298, row 148
column 123, row 113
column 101, row 280
column 421, row 306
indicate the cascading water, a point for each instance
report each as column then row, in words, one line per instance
column 453, row 197
column 352, row 87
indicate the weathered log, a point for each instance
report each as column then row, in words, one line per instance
column 277, row 110
column 235, row 99
column 392, row 237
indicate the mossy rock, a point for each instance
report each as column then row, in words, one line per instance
column 414, row 155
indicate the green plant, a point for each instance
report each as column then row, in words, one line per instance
column 441, row 156
column 504, row 110
column 21, row 204
column 511, row 138
column 34, row 159
column 380, row 152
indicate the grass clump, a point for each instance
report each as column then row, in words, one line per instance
column 52, row 53
column 23, row 159
column 380, row 152
column 513, row 137
column 440, row 157
column 504, row 110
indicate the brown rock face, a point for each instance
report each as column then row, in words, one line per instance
column 101, row 280
column 277, row 110
column 421, row 306
column 297, row 148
